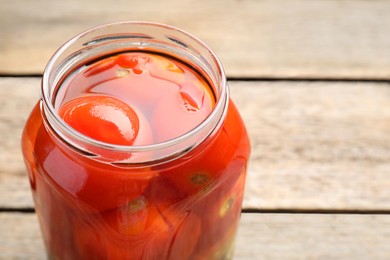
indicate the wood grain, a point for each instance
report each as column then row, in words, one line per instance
column 315, row 145
column 300, row 236
column 270, row 38
column 260, row 236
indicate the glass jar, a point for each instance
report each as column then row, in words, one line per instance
column 176, row 199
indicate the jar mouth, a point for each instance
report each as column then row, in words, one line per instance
column 134, row 35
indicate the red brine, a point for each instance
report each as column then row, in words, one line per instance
column 125, row 92
column 98, row 203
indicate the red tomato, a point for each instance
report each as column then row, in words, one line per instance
column 199, row 173
column 95, row 186
column 182, row 111
column 131, row 219
column 163, row 193
column 214, row 164
column 89, row 243
column 132, row 60
column 102, row 118
column 105, row 189
column 186, row 237
column 156, row 233
column 221, row 211
column 223, row 249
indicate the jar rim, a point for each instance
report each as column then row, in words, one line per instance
column 219, row 111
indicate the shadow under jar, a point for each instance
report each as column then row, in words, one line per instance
column 135, row 150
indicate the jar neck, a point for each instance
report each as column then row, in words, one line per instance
column 133, row 36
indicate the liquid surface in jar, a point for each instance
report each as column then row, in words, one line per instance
column 135, row 98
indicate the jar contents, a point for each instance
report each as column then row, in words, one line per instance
column 187, row 207
column 135, row 98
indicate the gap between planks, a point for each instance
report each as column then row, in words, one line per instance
column 260, row 79
column 29, row 210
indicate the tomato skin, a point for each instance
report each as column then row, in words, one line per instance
column 184, row 109
column 105, row 189
column 88, row 241
column 103, row 118
column 132, row 60
column 162, row 233
column 221, row 212
column 216, row 162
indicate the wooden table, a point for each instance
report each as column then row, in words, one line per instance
column 312, row 80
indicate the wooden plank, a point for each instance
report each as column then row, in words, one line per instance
column 17, row 97
column 20, row 237
column 261, row 236
column 270, row 38
column 284, row 236
column 315, row 145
